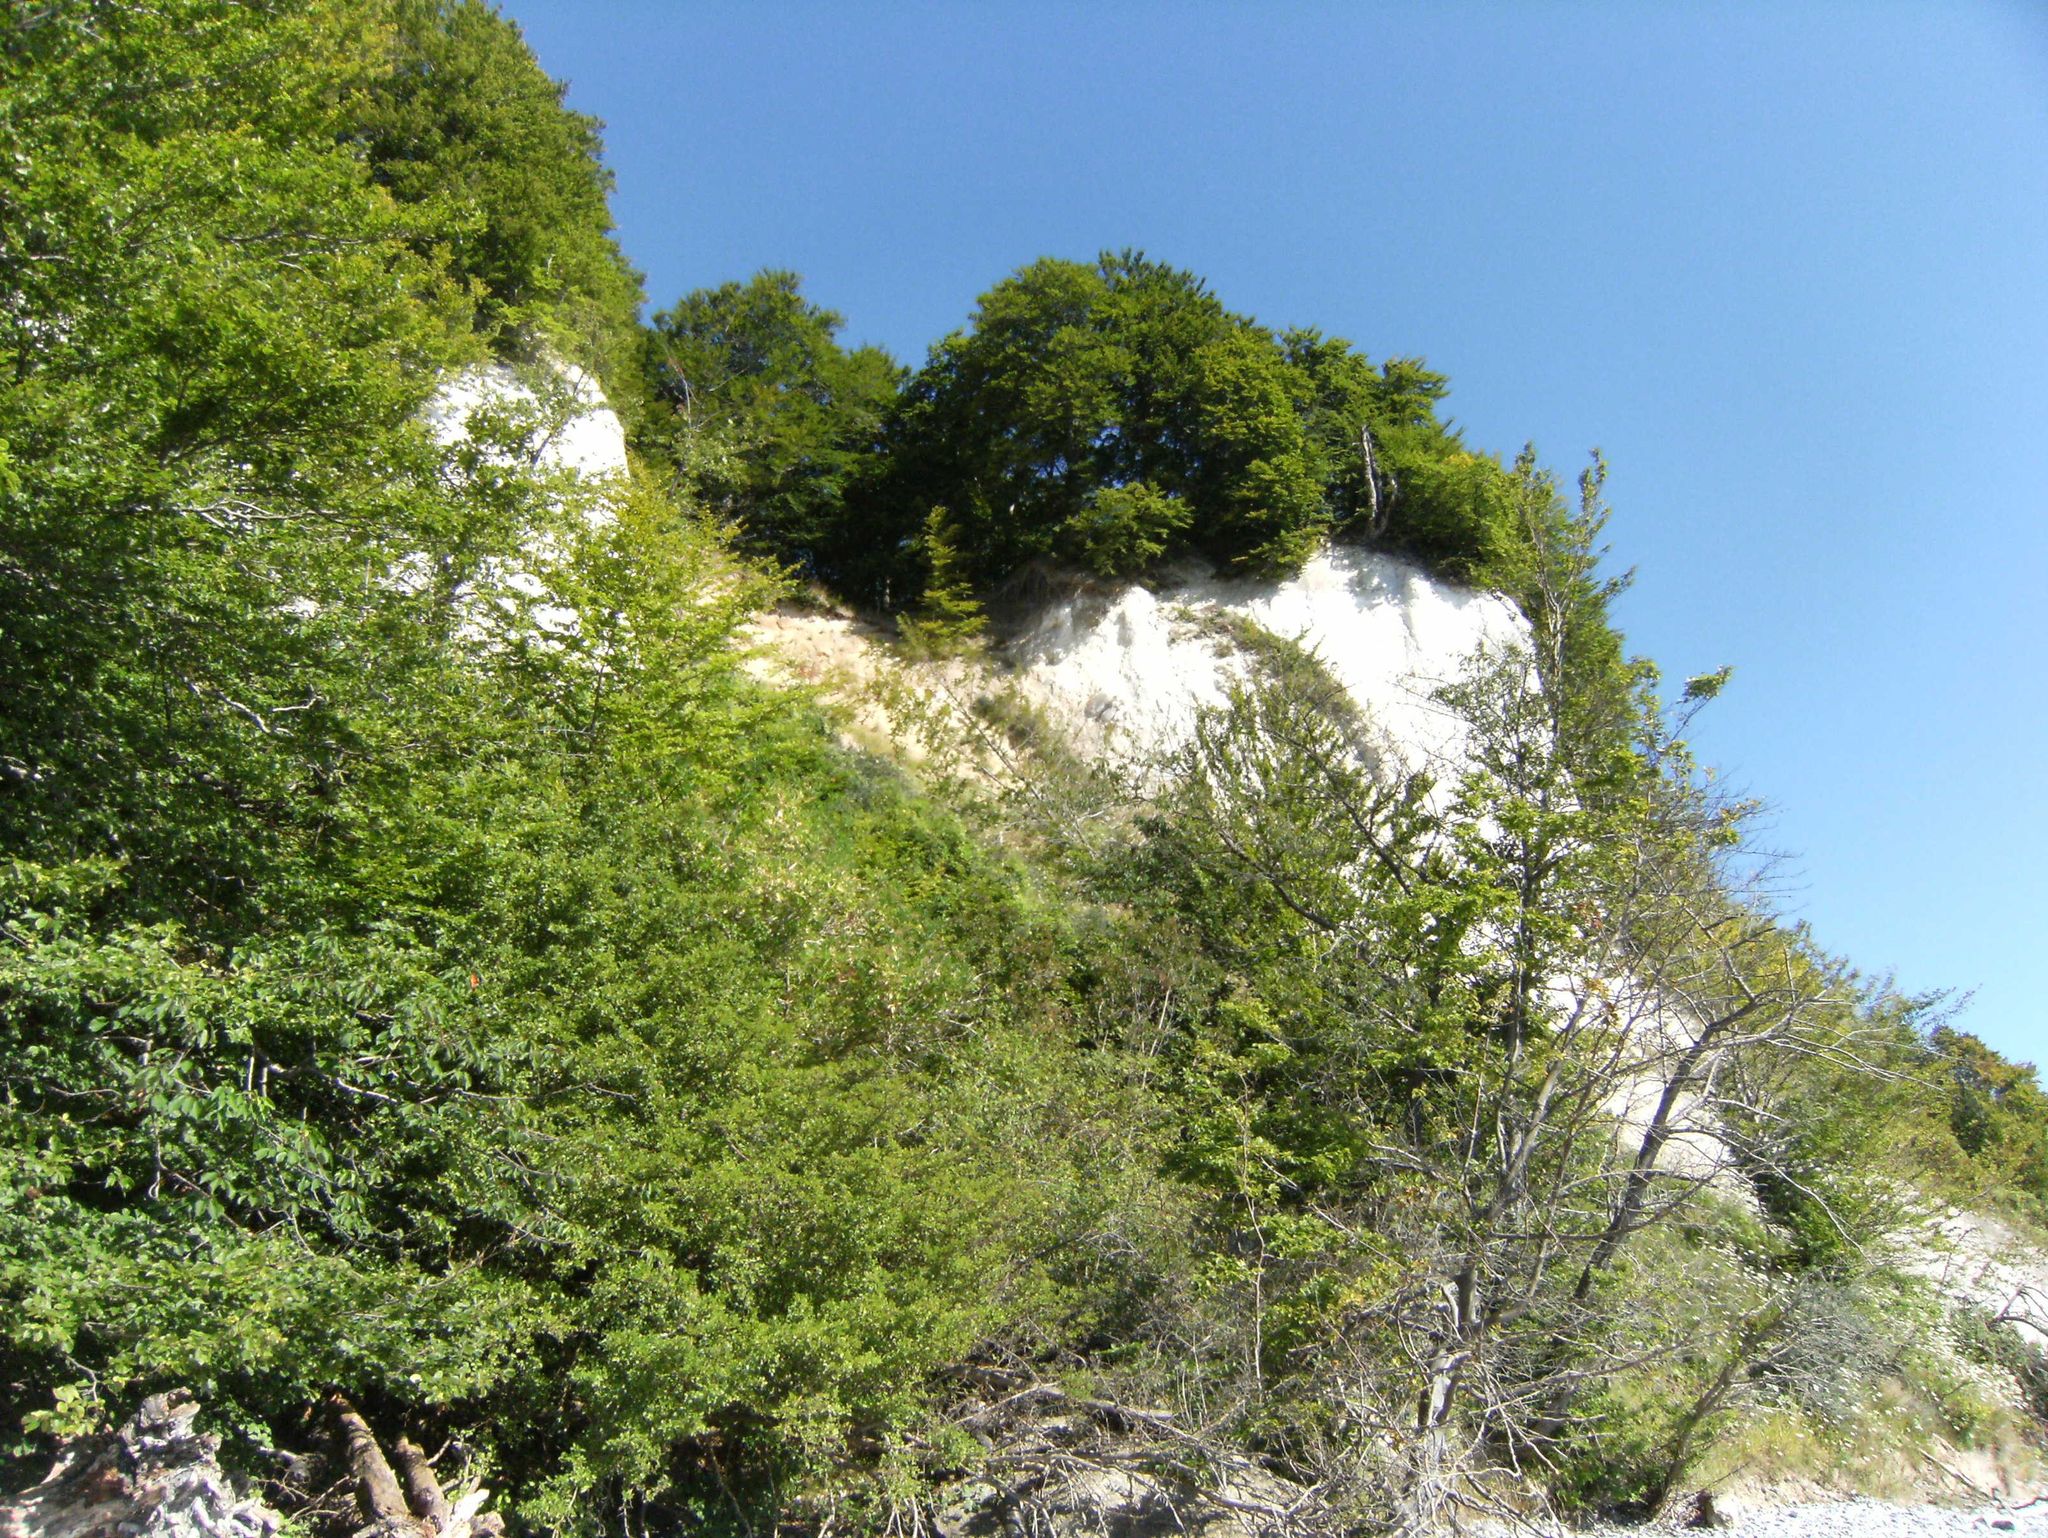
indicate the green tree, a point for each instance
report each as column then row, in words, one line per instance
column 229, row 560
column 1108, row 416
column 1997, row 1113
column 767, row 417
column 949, row 616
column 1122, row 529
column 545, row 1035
column 461, row 119
column 1258, row 473
column 218, row 341
column 1453, row 1073
column 1116, row 416
column 1399, row 475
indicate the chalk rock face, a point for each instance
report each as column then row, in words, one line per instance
column 550, row 421
column 570, row 425
column 156, row 1477
column 1978, row 1262
column 1125, row 672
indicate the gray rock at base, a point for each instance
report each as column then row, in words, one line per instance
column 157, row 1476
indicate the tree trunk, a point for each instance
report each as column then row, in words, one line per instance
column 421, row 1509
column 377, row 1491
column 422, row 1489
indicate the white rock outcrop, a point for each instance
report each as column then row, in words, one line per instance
column 155, row 1477
column 549, row 420
column 568, row 424
column 1122, row 672
column 1125, row 672
column 1978, row 1262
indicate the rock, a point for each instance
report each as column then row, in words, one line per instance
column 1724, row 1506
column 573, row 426
column 1703, row 1511
column 1125, row 669
column 156, row 1477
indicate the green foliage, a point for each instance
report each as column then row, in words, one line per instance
column 253, row 1175
column 1127, row 528
column 219, row 337
column 462, row 123
column 650, row 1117
column 1114, row 416
column 1998, row 1115
column 1411, row 1015
column 1398, row 473
column 1953, row 1119
column 432, row 966
column 767, row 417
column 950, row 616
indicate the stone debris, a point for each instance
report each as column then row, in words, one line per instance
column 1881, row 1519
column 157, row 1476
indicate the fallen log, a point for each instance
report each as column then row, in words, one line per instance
column 419, row 1508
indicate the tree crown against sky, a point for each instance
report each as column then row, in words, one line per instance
column 1113, row 417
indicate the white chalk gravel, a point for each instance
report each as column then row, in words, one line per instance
column 1859, row 1518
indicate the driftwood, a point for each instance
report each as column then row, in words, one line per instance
column 419, row 1508
column 422, row 1488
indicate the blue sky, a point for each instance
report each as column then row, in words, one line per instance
column 1786, row 264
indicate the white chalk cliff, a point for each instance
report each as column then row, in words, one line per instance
column 556, row 408
column 1126, row 671
column 550, row 421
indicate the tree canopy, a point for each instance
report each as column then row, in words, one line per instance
column 373, row 984
column 1114, row 417
column 457, row 118
column 767, row 417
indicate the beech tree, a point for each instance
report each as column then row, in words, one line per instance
column 1487, row 1025
column 562, row 1048
column 766, row 416
column 1103, row 415
column 1114, row 416
column 458, row 120
column 568, row 1049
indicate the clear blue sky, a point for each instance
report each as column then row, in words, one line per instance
column 1786, row 264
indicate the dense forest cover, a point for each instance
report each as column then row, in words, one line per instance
column 1108, row 417
column 553, row 1039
